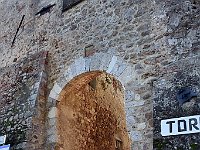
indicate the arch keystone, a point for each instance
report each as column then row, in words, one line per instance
column 96, row 62
column 105, row 62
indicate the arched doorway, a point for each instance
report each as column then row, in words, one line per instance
column 138, row 109
column 91, row 114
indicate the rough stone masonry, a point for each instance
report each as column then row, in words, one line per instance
column 159, row 39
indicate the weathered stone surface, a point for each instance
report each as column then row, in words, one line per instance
column 92, row 116
column 166, row 104
column 136, row 136
column 22, row 91
column 149, row 35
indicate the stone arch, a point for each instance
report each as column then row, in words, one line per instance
column 99, row 62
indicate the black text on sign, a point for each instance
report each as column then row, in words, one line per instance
column 183, row 125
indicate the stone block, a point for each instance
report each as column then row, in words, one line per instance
column 87, row 64
column 36, row 85
column 137, row 97
column 106, row 59
column 172, row 41
column 80, row 65
column 141, row 126
column 33, row 97
column 68, row 74
column 134, row 104
column 73, row 70
column 62, row 81
column 111, row 64
column 96, row 61
column 51, row 100
column 52, row 130
column 56, row 88
column 130, row 120
column 127, row 75
column 118, row 68
column 52, row 122
column 136, row 136
column 53, row 95
column 129, row 95
column 52, row 113
column 52, row 138
column 129, row 111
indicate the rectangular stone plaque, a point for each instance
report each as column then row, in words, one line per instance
column 2, row 139
column 182, row 125
column 5, row 147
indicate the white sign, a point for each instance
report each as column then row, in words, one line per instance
column 183, row 125
column 2, row 139
column 5, row 147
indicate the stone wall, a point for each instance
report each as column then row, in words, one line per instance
column 125, row 28
column 183, row 74
column 148, row 34
column 22, row 107
column 139, row 123
column 180, row 69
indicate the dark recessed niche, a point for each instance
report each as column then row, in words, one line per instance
column 185, row 94
column 68, row 4
column 118, row 144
